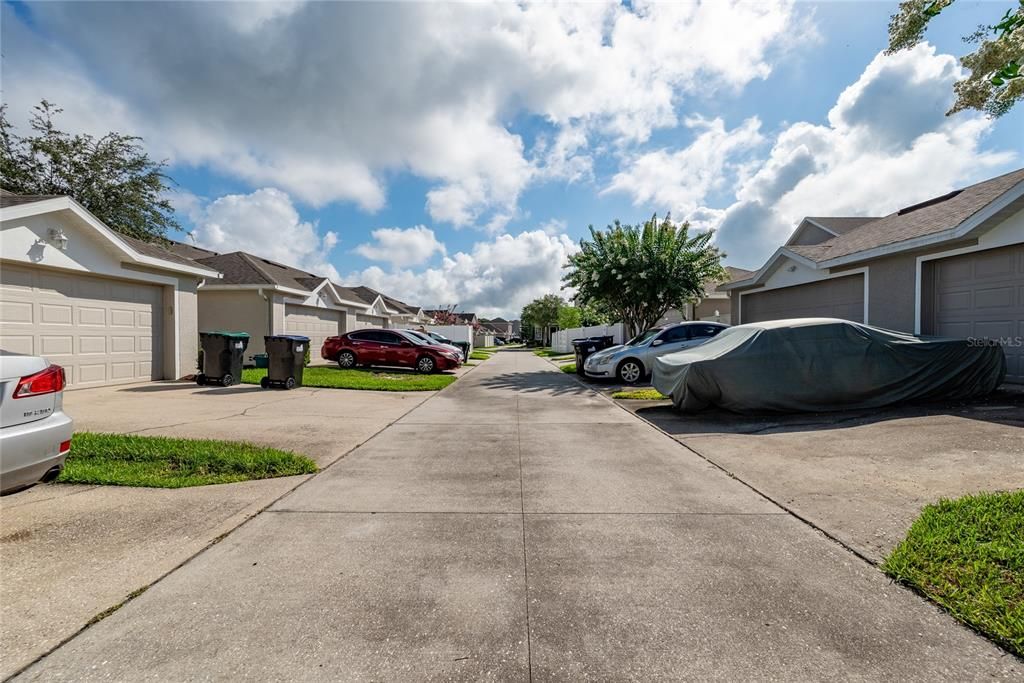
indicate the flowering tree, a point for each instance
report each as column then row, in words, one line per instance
column 445, row 318
column 996, row 79
column 639, row 272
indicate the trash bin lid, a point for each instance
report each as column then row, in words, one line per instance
column 293, row 337
column 230, row 335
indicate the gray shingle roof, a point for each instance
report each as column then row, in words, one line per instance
column 8, row 198
column 190, row 250
column 926, row 218
column 157, row 250
column 842, row 224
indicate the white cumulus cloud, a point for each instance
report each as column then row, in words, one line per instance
column 402, row 248
column 887, row 144
column 267, row 224
column 495, row 277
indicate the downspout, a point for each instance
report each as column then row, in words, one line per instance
column 270, row 311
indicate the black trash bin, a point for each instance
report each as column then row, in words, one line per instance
column 286, row 360
column 587, row 347
column 222, row 357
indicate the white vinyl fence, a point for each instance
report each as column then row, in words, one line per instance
column 561, row 341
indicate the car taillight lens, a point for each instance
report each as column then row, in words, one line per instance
column 48, row 381
column 65, row 446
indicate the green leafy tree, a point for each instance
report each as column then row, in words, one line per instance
column 592, row 314
column 996, row 81
column 569, row 317
column 111, row 176
column 639, row 272
column 542, row 313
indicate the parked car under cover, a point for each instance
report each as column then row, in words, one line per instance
column 816, row 364
column 395, row 348
column 633, row 361
column 35, row 434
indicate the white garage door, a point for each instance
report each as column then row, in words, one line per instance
column 315, row 323
column 981, row 295
column 368, row 321
column 102, row 331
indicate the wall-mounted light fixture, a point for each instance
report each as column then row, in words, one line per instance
column 58, row 239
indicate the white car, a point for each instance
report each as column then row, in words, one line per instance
column 631, row 362
column 35, row 434
column 434, row 341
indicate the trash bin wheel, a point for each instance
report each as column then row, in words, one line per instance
column 265, row 382
column 200, row 379
column 227, row 380
column 289, row 383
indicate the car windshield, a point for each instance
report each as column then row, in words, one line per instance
column 644, row 338
column 415, row 337
column 438, row 337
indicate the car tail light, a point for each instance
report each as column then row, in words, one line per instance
column 48, row 381
column 65, row 446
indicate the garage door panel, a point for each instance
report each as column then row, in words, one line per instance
column 15, row 312
column 981, row 295
column 75, row 321
column 841, row 297
column 55, row 314
column 90, row 315
column 315, row 323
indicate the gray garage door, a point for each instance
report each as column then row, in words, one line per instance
column 979, row 295
column 315, row 323
column 101, row 331
column 841, row 297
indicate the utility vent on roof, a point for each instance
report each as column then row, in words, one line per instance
column 930, row 202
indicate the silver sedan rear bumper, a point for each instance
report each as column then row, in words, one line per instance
column 29, row 451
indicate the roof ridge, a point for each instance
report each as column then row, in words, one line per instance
column 251, row 260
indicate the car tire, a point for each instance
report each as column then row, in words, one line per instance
column 346, row 360
column 425, row 364
column 630, row 371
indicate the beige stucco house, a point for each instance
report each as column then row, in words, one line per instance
column 108, row 308
column 950, row 266
column 263, row 297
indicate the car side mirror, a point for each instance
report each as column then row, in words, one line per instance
column 657, row 342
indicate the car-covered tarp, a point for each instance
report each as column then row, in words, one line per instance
column 814, row 364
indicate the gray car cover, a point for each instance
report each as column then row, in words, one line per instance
column 814, row 364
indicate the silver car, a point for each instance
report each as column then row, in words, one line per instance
column 35, row 434
column 633, row 361
column 429, row 339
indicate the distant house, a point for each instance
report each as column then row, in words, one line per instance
column 951, row 266
column 498, row 327
column 714, row 306
column 460, row 318
column 263, row 297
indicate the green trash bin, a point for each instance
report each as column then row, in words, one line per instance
column 287, row 359
column 260, row 360
column 222, row 357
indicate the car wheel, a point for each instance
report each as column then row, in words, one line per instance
column 425, row 364
column 346, row 359
column 630, row 371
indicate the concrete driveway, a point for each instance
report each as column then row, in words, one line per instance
column 70, row 552
column 518, row 526
column 861, row 476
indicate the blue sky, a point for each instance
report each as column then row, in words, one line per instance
column 453, row 154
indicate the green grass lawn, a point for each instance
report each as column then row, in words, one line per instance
column 162, row 462
column 647, row 394
column 330, row 377
column 968, row 556
column 554, row 355
column 570, row 368
column 480, row 354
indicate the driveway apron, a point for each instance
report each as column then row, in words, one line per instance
column 518, row 526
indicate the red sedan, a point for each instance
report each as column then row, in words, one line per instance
column 388, row 347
